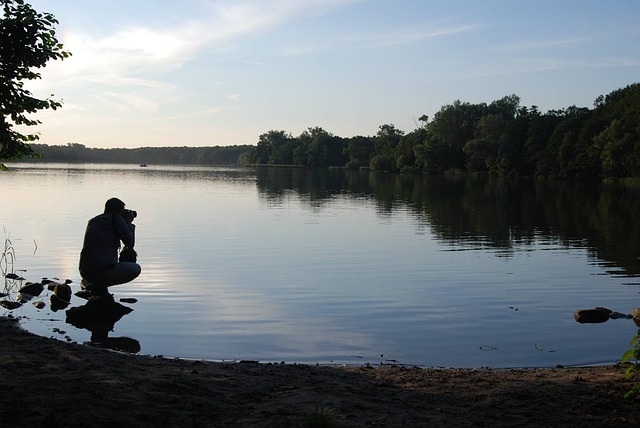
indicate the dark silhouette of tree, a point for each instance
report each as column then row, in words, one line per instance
column 359, row 151
column 27, row 42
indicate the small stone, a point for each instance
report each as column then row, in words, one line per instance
column 592, row 316
column 8, row 304
column 635, row 314
column 63, row 292
column 32, row 288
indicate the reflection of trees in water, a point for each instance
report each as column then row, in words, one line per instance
column 492, row 212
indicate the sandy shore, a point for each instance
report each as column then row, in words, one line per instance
column 49, row 383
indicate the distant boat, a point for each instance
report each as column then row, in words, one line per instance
column 143, row 165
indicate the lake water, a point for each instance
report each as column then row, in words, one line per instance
column 340, row 267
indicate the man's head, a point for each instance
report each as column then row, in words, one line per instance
column 114, row 206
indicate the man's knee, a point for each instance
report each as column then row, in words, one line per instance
column 130, row 270
column 137, row 270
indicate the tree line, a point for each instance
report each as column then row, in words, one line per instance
column 74, row 152
column 501, row 138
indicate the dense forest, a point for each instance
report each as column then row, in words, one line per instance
column 501, row 138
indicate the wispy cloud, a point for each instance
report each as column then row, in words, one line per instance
column 604, row 35
column 540, row 44
column 412, row 34
column 385, row 39
column 241, row 17
column 215, row 110
column 129, row 51
column 128, row 101
column 470, row 70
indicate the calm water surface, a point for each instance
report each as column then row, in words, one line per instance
column 340, row 267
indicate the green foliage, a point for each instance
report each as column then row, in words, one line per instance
column 616, row 146
column 359, row 151
column 315, row 147
column 275, row 147
column 633, row 371
column 499, row 139
column 319, row 148
column 382, row 163
column 27, row 42
column 387, row 140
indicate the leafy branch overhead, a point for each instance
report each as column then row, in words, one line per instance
column 27, row 42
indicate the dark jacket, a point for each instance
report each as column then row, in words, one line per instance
column 102, row 241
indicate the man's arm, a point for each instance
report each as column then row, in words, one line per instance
column 126, row 232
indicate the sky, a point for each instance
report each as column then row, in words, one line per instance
column 152, row 73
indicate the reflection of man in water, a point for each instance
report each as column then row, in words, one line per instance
column 99, row 266
column 99, row 317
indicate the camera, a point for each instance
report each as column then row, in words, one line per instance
column 129, row 215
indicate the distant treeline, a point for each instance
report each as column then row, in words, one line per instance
column 72, row 152
column 501, row 138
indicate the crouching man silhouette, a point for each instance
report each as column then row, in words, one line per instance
column 99, row 264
